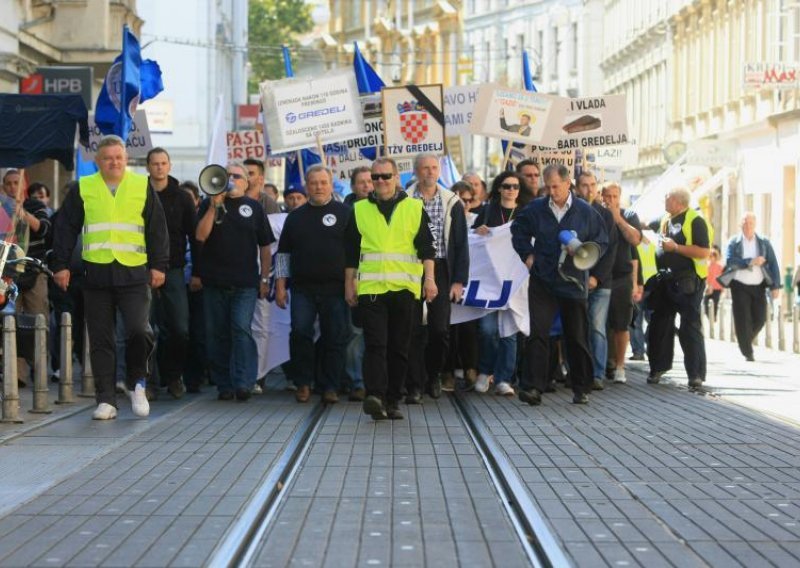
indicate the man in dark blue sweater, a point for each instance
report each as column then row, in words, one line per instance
column 311, row 253
column 552, row 288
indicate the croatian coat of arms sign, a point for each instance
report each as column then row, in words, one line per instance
column 413, row 119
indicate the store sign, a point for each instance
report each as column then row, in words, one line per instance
column 771, row 75
column 59, row 81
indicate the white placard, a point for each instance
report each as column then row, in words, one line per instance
column 300, row 113
column 522, row 116
column 410, row 124
column 138, row 144
column 459, row 104
column 594, row 121
column 712, row 153
column 621, row 155
column 542, row 157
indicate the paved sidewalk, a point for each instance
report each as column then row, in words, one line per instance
column 163, row 492
column 410, row 492
column 660, row 476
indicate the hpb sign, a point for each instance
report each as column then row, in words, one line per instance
column 59, row 81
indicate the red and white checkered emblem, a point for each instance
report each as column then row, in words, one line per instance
column 414, row 126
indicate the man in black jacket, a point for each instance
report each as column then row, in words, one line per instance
column 125, row 249
column 170, row 310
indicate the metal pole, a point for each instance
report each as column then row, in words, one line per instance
column 10, row 386
column 65, row 391
column 768, row 326
column 712, row 321
column 796, row 329
column 87, row 379
column 781, row 329
column 722, row 313
column 40, row 391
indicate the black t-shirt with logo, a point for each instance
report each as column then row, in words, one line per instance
column 674, row 230
column 229, row 256
column 626, row 252
column 314, row 237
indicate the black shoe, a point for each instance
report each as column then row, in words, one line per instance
column 357, row 395
column 749, row 358
column 55, row 379
column 580, row 398
column 448, row 382
column 655, row 377
column 413, row 398
column 695, row 383
column 636, row 357
column 435, row 388
column 151, row 393
column 597, row 384
column 551, row 387
column 392, row 412
column 374, row 407
column 610, row 373
column 243, row 394
column 225, row 395
column 193, row 389
column 176, row 389
column 532, row 397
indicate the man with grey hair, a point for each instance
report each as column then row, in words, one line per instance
column 125, row 248
column 431, row 342
column 682, row 261
column 556, row 284
column 234, row 234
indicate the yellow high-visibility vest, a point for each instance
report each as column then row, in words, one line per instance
column 113, row 225
column 647, row 258
column 389, row 261
column 700, row 266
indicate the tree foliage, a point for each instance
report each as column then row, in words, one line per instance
column 272, row 23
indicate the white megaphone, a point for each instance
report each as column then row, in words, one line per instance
column 214, row 180
column 584, row 255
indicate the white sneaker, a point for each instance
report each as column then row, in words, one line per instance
column 139, row 404
column 619, row 376
column 257, row 389
column 104, row 411
column 504, row 389
column 482, row 384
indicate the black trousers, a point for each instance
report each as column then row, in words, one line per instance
column 666, row 301
column 463, row 352
column 749, row 313
column 430, row 343
column 387, row 320
column 575, row 319
column 170, row 317
column 101, row 304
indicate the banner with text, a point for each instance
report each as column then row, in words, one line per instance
column 138, row 143
column 459, row 104
column 413, row 120
column 301, row 113
column 594, row 121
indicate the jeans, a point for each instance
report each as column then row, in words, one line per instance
column 354, row 356
column 638, row 336
column 231, row 349
column 170, row 316
column 599, row 300
column 498, row 355
column 333, row 315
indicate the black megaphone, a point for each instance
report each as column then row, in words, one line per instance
column 214, row 180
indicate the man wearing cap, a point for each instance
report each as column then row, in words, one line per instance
column 293, row 197
column 125, row 248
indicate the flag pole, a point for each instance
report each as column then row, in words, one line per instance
column 321, row 151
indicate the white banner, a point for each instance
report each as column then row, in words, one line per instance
column 459, row 103
column 594, row 121
column 279, row 321
column 301, row 113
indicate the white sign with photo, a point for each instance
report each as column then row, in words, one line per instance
column 521, row 116
column 594, row 121
column 301, row 113
column 413, row 120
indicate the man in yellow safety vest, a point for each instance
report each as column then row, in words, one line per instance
column 125, row 253
column 388, row 247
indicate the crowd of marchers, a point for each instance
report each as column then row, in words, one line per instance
column 174, row 288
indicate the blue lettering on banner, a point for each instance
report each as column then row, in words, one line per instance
column 292, row 117
column 471, row 297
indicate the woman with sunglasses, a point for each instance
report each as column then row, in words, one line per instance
column 497, row 355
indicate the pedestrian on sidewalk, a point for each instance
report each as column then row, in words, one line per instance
column 682, row 261
column 311, row 256
column 125, row 255
column 234, row 234
column 755, row 269
column 390, row 266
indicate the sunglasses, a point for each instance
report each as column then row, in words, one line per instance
column 236, row 176
column 384, row 177
column 509, row 186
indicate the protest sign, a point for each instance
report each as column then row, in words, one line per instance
column 301, row 113
column 593, row 121
column 243, row 144
column 413, row 120
column 712, row 153
column 521, row 116
column 138, row 144
column 619, row 156
column 542, row 157
column 459, row 103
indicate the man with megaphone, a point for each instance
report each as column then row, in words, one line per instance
column 559, row 238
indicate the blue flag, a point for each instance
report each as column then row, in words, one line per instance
column 129, row 81
column 287, row 62
column 366, row 77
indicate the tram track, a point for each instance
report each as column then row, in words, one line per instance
column 243, row 540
